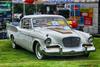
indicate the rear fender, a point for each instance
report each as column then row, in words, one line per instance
column 12, row 28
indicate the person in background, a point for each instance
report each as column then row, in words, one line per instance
column 51, row 12
column 55, row 12
column 81, row 28
column 21, row 15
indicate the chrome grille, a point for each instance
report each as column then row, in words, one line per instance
column 71, row 41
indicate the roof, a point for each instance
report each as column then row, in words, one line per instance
column 39, row 16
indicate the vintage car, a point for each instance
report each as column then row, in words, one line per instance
column 50, row 35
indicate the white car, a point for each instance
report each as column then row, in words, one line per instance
column 50, row 35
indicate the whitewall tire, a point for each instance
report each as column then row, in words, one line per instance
column 38, row 53
column 14, row 45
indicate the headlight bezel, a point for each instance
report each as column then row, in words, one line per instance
column 48, row 41
column 90, row 39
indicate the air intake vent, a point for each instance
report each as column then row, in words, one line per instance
column 71, row 41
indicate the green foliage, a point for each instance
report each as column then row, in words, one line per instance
column 18, row 8
column 29, row 8
column 10, row 57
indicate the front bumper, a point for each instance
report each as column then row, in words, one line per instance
column 67, row 51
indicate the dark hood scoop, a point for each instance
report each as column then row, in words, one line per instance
column 60, row 30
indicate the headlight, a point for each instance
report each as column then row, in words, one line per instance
column 90, row 40
column 47, row 41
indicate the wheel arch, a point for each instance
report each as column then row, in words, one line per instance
column 40, row 41
column 11, row 36
column 34, row 45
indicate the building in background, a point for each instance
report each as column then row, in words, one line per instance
column 5, row 13
column 85, row 12
column 5, row 16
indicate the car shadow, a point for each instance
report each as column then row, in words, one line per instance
column 69, row 58
column 56, row 58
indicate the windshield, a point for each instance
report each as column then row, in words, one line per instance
column 50, row 22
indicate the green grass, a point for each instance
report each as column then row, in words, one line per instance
column 10, row 57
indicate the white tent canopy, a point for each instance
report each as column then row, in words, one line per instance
column 54, row 1
column 36, row 2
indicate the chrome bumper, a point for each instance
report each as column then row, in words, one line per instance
column 67, row 51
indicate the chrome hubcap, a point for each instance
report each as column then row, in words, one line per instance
column 38, row 53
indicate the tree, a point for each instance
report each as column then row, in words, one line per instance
column 18, row 8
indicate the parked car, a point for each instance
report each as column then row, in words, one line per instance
column 50, row 35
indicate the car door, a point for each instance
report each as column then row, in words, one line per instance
column 25, row 30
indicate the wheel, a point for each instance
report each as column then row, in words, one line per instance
column 86, row 54
column 38, row 53
column 14, row 45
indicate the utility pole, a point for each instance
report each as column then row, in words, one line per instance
column 24, row 12
column 12, row 8
column 99, row 16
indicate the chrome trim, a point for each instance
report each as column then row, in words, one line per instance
column 61, row 52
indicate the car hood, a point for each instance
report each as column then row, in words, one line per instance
column 57, row 32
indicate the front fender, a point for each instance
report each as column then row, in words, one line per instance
column 40, row 41
column 83, row 35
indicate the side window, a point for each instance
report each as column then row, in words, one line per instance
column 26, row 23
column 39, row 22
column 35, row 24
